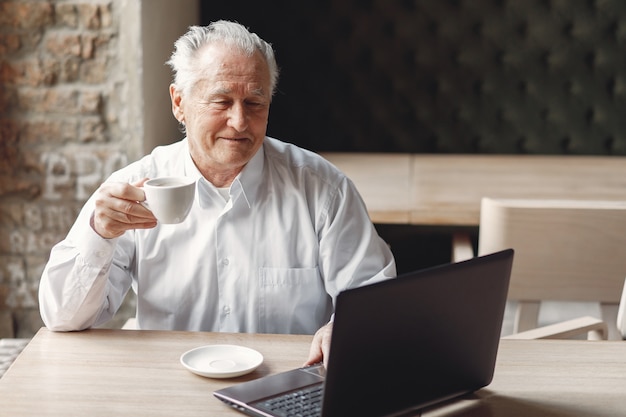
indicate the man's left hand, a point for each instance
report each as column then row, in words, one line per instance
column 320, row 347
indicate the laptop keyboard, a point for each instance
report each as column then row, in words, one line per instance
column 306, row 402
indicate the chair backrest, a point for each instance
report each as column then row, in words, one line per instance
column 564, row 249
column 621, row 314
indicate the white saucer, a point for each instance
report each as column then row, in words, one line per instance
column 221, row 361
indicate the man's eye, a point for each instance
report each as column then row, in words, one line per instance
column 255, row 104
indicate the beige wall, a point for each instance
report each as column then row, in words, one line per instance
column 163, row 21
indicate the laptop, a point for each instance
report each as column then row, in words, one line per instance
column 398, row 345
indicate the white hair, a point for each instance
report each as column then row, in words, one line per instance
column 222, row 31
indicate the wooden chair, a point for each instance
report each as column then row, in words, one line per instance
column 621, row 314
column 565, row 250
column 594, row 328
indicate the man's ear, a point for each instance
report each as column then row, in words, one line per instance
column 177, row 99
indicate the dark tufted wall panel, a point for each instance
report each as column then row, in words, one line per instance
column 473, row 76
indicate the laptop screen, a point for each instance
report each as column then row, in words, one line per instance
column 417, row 340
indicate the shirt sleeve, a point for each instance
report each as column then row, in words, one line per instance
column 81, row 286
column 352, row 254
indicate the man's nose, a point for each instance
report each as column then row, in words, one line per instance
column 238, row 118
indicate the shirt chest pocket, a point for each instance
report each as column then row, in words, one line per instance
column 292, row 300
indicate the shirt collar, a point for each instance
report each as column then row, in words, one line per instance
column 250, row 178
column 191, row 170
column 247, row 183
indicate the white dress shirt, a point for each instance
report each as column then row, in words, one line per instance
column 269, row 258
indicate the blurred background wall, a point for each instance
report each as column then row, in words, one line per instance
column 83, row 91
column 453, row 76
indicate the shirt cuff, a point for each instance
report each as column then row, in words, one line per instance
column 95, row 249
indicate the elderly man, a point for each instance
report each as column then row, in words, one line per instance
column 274, row 234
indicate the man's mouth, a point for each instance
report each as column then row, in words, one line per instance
column 234, row 139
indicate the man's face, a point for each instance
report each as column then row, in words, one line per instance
column 226, row 110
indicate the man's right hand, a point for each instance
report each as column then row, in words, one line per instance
column 118, row 209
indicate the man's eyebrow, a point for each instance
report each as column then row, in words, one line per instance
column 258, row 92
column 225, row 91
column 220, row 91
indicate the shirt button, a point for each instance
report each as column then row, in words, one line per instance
column 226, row 310
column 225, row 261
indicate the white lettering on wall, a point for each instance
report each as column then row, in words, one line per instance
column 57, row 174
column 21, row 294
column 23, row 242
column 89, row 174
column 82, row 171
column 48, row 217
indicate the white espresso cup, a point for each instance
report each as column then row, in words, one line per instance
column 169, row 198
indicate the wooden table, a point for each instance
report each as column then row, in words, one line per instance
column 446, row 190
column 138, row 373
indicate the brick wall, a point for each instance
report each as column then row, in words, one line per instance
column 65, row 101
